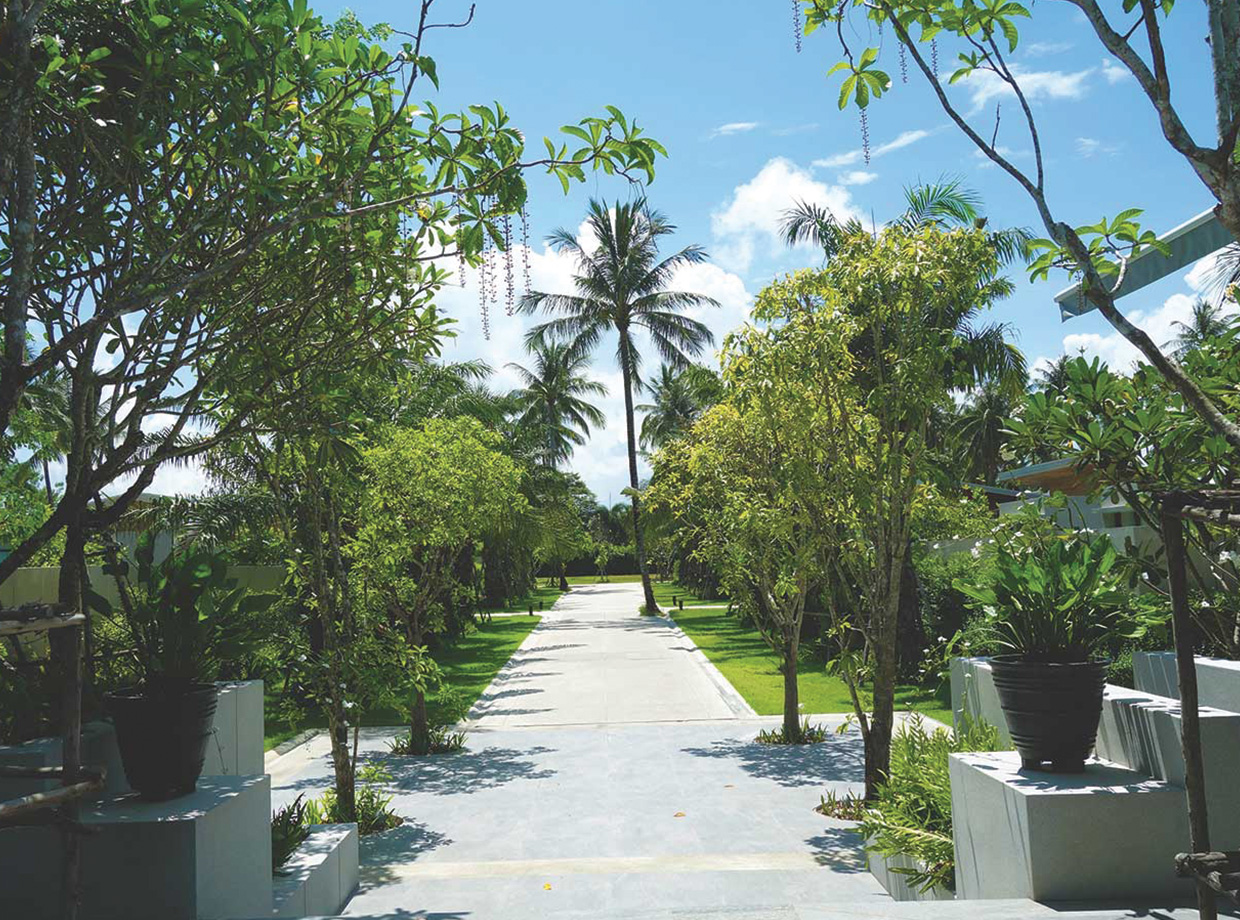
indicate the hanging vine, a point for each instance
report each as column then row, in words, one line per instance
column 525, row 248
column 509, row 287
column 796, row 23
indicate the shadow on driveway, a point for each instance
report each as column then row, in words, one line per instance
column 840, row 758
column 466, row 772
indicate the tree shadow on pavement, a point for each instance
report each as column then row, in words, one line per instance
column 466, row 772
column 840, row 848
column 381, row 853
column 840, row 758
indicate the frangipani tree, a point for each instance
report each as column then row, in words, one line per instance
column 948, row 41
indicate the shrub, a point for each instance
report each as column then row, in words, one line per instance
column 912, row 815
column 844, row 807
column 373, row 814
column 809, row 734
column 289, row 830
column 441, row 740
column 944, row 607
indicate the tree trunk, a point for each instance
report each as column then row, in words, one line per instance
column 911, row 638
column 885, row 616
column 792, row 713
column 419, row 726
column 563, row 578
column 639, row 540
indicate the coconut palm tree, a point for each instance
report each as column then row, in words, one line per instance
column 553, row 399
column 622, row 287
column 981, row 428
column 1054, row 375
column 678, row 398
column 1207, row 322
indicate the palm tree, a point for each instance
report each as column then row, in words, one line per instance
column 622, row 286
column 1206, row 323
column 679, row 397
column 1054, row 376
column 981, row 428
column 982, row 353
column 553, row 401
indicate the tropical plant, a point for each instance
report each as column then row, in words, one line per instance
column 1053, row 596
column 622, row 286
column 184, row 615
column 553, row 399
column 912, row 813
column 374, row 814
column 289, row 830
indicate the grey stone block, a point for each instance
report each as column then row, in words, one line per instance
column 974, row 694
column 98, row 750
column 1108, row 833
column 205, row 856
column 236, row 745
column 1142, row 731
column 321, row 876
column 897, row 884
column 1218, row 679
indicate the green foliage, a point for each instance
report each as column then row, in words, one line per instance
column 184, row 615
column 1053, row 597
column 373, row 814
column 806, row 734
column 846, row 807
column 23, row 509
column 944, row 607
column 912, row 815
column 441, row 740
column 289, row 830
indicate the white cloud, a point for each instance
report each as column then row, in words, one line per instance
column 857, row 177
column 1114, row 72
column 836, row 161
column 751, row 217
column 985, row 86
column 1092, row 147
column 1008, row 153
column 1043, row 49
column 734, row 127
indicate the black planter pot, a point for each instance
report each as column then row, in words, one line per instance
column 1052, row 710
column 163, row 737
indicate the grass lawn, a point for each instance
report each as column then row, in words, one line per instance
column 594, row 580
column 542, row 594
column 469, row 666
column 664, row 591
column 748, row 663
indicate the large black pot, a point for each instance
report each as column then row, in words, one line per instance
column 1052, row 709
column 162, row 736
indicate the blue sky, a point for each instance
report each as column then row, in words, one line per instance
column 750, row 125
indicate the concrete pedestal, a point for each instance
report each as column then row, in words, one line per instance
column 321, row 876
column 98, row 750
column 236, row 746
column 1142, row 732
column 897, row 884
column 1218, row 679
column 205, row 856
column 1108, row 833
column 974, row 694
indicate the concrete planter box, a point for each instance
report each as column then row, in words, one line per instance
column 321, row 875
column 205, row 856
column 1106, row 834
column 1218, row 679
column 897, row 883
column 236, row 745
column 98, row 750
column 974, row 693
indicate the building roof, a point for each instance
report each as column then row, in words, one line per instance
column 1192, row 240
column 1062, row 475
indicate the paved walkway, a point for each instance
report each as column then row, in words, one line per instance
column 611, row 773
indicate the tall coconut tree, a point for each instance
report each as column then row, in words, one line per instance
column 553, row 399
column 678, row 397
column 1206, row 322
column 981, row 429
column 622, row 286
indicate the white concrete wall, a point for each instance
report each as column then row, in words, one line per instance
column 1218, row 679
column 236, row 745
column 897, row 884
column 40, row 584
column 974, row 694
column 321, row 875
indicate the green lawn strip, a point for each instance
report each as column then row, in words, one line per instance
column 469, row 667
column 752, row 668
column 664, row 591
column 543, row 594
column 594, row 579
